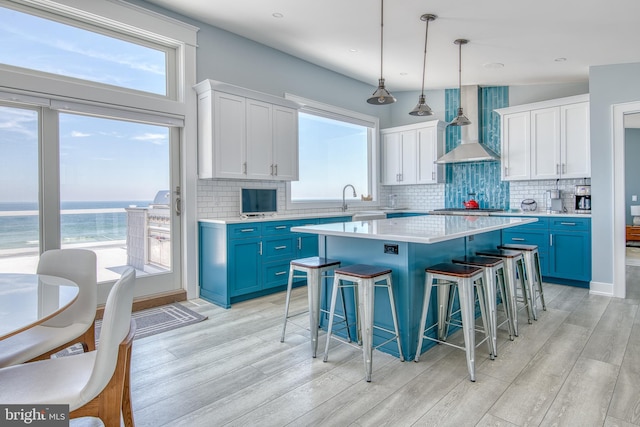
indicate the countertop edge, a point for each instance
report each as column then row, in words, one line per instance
column 317, row 229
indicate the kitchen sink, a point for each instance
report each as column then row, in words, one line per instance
column 368, row 215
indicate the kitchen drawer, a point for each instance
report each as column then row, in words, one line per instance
column 633, row 233
column 541, row 224
column 570, row 224
column 241, row 231
column 524, row 237
column 279, row 248
column 275, row 274
column 277, row 228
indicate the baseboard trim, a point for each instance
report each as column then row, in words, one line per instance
column 151, row 301
column 601, row 288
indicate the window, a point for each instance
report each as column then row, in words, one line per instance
column 52, row 47
column 92, row 112
column 336, row 148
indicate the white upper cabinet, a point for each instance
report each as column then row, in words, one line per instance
column 546, row 140
column 245, row 134
column 409, row 153
column 516, row 146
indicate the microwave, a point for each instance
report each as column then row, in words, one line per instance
column 258, row 202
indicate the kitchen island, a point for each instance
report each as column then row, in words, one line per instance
column 408, row 246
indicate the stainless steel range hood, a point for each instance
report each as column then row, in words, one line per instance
column 470, row 148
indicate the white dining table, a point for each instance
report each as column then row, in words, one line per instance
column 27, row 300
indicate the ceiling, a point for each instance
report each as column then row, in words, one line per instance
column 537, row 42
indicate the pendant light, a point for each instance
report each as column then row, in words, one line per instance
column 422, row 109
column 461, row 119
column 381, row 96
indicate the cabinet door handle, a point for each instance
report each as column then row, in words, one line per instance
column 564, row 168
column 271, row 170
column 299, row 242
column 276, row 174
column 247, row 230
column 401, row 177
column 550, row 239
column 281, row 227
column 397, row 177
column 260, row 248
column 280, row 273
column 518, row 239
column 433, row 176
column 244, row 168
column 506, row 171
column 567, row 223
column 277, row 248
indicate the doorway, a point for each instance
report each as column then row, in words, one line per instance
column 621, row 113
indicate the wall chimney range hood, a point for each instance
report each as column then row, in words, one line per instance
column 470, row 149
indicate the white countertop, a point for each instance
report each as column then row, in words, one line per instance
column 239, row 220
column 512, row 213
column 416, row 229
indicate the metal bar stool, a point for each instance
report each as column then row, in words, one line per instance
column 514, row 269
column 365, row 278
column 314, row 269
column 531, row 264
column 493, row 269
column 465, row 278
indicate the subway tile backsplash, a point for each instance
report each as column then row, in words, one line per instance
column 536, row 190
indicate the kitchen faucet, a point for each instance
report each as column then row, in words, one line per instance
column 344, row 203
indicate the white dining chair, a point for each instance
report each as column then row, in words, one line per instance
column 76, row 324
column 93, row 384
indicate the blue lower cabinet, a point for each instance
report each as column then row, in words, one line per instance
column 243, row 261
column 564, row 245
column 570, row 249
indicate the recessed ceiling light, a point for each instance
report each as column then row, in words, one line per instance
column 493, row 65
column 277, row 15
column 403, row 74
column 560, row 59
column 353, row 50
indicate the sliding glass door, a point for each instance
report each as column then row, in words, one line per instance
column 101, row 183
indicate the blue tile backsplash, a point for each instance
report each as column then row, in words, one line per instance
column 481, row 178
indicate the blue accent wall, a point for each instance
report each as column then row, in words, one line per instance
column 482, row 178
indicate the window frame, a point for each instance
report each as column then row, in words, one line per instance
column 316, row 108
column 113, row 22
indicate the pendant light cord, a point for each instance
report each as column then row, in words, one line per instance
column 424, row 61
column 381, row 36
column 459, row 75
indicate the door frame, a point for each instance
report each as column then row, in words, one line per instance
column 619, row 202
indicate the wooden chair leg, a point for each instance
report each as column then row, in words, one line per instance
column 115, row 398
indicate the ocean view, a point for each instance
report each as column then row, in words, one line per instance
column 81, row 222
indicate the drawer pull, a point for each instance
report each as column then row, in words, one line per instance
column 567, row 223
column 518, row 239
column 281, row 227
column 247, row 230
column 277, row 248
column 280, row 273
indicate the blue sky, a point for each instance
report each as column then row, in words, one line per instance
column 100, row 159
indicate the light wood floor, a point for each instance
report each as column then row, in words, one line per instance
column 578, row 365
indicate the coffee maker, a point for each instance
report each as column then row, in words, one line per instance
column 583, row 199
